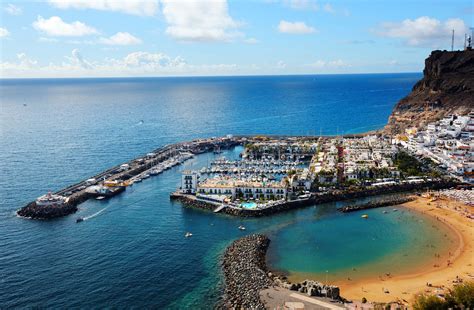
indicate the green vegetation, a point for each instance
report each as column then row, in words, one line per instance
column 460, row 297
column 429, row 302
column 407, row 164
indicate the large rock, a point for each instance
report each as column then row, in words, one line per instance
column 447, row 87
column 245, row 272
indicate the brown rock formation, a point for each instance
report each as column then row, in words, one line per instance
column 447, row 87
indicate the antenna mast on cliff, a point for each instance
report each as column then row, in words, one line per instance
column 452, row 42
column 469, row 40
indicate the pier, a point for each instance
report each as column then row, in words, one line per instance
column 114, row 180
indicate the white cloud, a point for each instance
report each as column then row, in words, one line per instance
column 393, row 62
column 121, row 38
column 47, row 40
column 55, row 26
column 295, row 27
column 199, row 21
column 78, row 61
column 251, row 41
column 4, row 32
column 425, row 31
column 151, row 61
column 13, row 9
column 134, row 7
column 334, row 64
column 281, row 65
column 24, row 64
column 328, row 8
column 134, row 64
column 303, row 4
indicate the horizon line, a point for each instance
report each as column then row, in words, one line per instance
column 200, row 76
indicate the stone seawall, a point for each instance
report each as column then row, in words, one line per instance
column 34, row 211
column 376, row 204
column 245, row 274
column 315, row 199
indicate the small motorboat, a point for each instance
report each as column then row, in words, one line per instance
column 100, row 198
column 395, row 210
column 385, row 212
column 79, row 219
column 242, row 227
column 365, row 216
column 188, row 234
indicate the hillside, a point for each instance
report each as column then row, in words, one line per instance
column 447, row 87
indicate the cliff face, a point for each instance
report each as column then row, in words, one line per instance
column 447, row 87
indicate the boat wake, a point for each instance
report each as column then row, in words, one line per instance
column 85, row 218
column 95, row 214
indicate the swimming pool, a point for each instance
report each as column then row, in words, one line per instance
column 248, row 205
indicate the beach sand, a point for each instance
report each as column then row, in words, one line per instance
column 403, row 288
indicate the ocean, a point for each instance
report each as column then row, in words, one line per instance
column 131, row 250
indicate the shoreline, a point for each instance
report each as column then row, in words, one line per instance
column 316, row 198
column 404, row 287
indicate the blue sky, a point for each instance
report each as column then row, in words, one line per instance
column 80, row 38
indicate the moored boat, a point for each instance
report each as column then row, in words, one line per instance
column 50, row 200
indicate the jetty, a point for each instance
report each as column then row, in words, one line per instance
column 378, row 203
column 249, row 284
column 114, row 181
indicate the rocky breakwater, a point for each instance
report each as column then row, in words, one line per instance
column 447, row 87
column 311, row 288
column 33, row 211
column 245, row 272
column 376, row 204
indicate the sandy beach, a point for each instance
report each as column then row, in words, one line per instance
column 430, row 278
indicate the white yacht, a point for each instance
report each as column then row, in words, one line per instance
column 50, row 200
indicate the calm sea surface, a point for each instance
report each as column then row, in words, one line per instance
column 133, row 253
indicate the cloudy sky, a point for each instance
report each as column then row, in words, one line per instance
column 95, row 38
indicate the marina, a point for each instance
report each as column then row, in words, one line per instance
column 274, row 174
column 115, row 180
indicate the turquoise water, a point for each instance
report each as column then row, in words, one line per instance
column 132, row 250
column 248, row 205
column 328, row 242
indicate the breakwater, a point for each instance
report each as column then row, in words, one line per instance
column 33, row 211
column 77, row 193
column 320, row 198
column 310, row 288
column 245, row 272
column 376, row 204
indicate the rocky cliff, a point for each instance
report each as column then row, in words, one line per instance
column 447, row 87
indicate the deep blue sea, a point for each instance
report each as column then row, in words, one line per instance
column 57, row 132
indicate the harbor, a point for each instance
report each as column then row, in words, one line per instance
column 274, row 174
column 115, row 180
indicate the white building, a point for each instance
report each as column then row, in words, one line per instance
column 189, row 182
column 235, row 188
